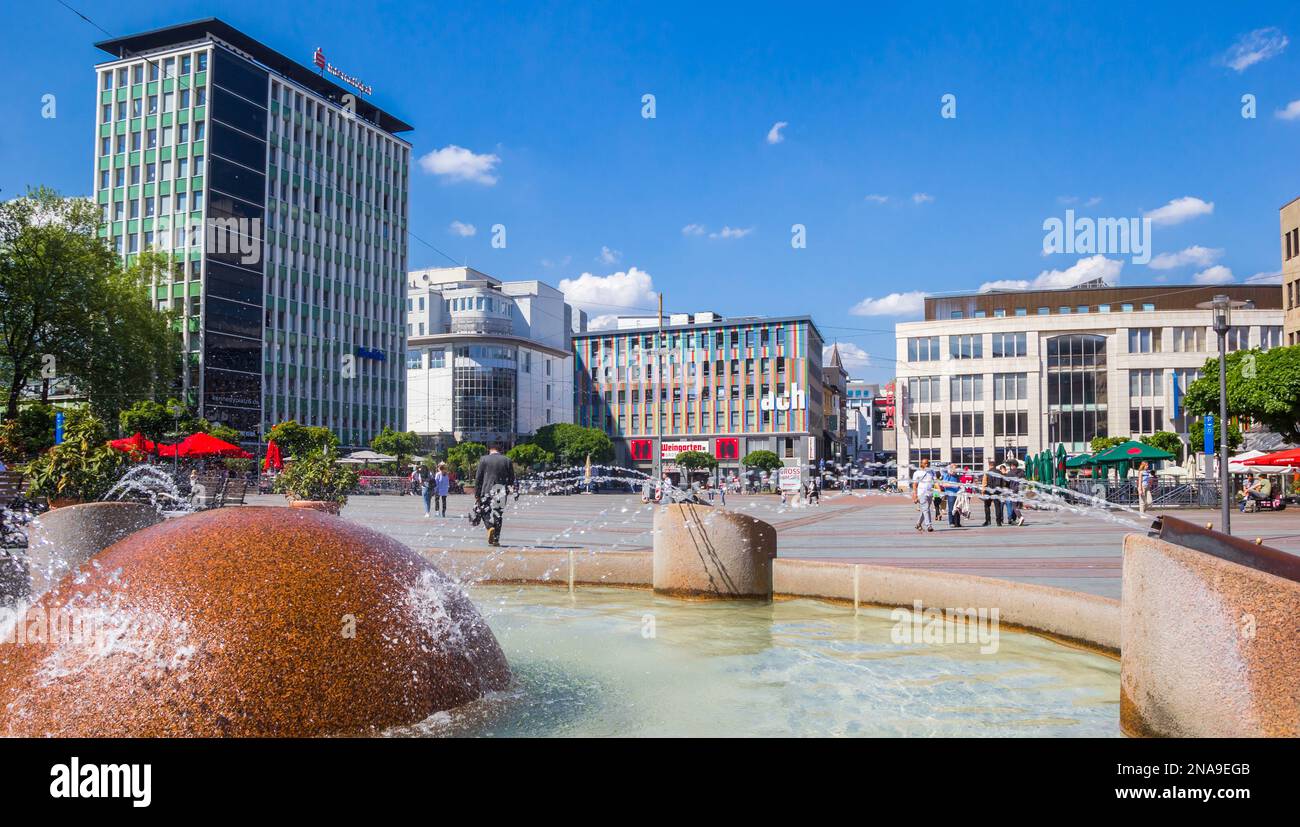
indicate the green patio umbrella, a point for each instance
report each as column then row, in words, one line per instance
column 1081, row 461
column 1131, row 451
column 1059, row 464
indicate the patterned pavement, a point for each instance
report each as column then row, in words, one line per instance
column 1069, row 550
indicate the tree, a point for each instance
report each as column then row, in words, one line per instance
column 530, row 456
column 1167, row 441
column 1197, row 429
column 1101, row 443
column 765, row 461
column 571, row 444
column 1263, row 386
column 225, row 433
column 697, row 461
column 465, row 456
column 153, row 419
column 69, row 311
column 30, row 433
column 298, row 440
column 401, row 444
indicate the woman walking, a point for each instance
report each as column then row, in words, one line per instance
column 441, row 486
column 425, row 482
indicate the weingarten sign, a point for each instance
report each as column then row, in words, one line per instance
column 322, row 63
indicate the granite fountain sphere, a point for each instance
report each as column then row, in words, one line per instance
column 250, row 621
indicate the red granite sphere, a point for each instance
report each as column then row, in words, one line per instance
column 249, row 621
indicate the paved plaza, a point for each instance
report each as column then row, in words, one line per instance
column 1073, row 551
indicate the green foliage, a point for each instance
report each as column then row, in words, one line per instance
column 696, row 461
column 225, row 433
column 1197, row 431
column 529, row 455
column 82, row 467
column 147, row 417
column 1101, row 443
column 1263, row 386
column 30, row 433
column 762, row 461
column 1166, row 441
column 298, row 440
column 401, row 444
column 571, row 444
column 315, row 475
column 67, row 305
column 463, row 458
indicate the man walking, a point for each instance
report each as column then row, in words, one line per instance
column 989, row 484
column 492, row 481
column 1014, row 476
column 922, row 490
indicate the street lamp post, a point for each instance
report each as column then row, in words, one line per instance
column 1221, row 309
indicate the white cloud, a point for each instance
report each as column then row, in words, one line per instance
column 922, row 198
column 774, row 135
column 877, row 199
column 693, row 229
column 732, row 232
column 1179, row 210
column 605, row 298
column 608, row 256
column 1085, row 269
column 551, row 263
column 895, row 304
column 1255, row 47
column 459, row 164
column 1218, row 274
column 852, row 356
column 1274, row 277
column 1291, row 112
column 1196, row 254
column 462, row 229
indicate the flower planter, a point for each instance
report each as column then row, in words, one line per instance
column 327, row 506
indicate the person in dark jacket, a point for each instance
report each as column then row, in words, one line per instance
column 493, row 480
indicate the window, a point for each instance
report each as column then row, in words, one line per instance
column 1043, row 311
column 967, row 388
column 925, row 425
column 923, row 389
column 414, row 359
column 1144, row 340
column 1146, row 383
column 1270, row 336
column 1189, row 339
column 1076, row 390
column 1010, row 386
column 923, row 348
column 970, row 346
column 1006, row 345
column 967, row 425
column 1010, row 423
column 1238, row 338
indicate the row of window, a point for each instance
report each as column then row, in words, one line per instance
column 735, row 337
column 168, row 68
column 1044, row 310
column 1140, row 340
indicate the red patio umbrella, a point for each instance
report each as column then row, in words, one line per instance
column 136, row 443
column 273, row 458
column 200, row 445
column 1288, row 457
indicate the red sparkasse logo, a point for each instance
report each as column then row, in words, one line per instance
column 318, row 58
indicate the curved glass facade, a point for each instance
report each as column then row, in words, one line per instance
column 484, row 404
column 1076, row 390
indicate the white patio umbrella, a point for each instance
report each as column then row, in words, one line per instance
column 1235, row 464
column 366, row 457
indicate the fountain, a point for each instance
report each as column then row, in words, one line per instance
column 254, row 621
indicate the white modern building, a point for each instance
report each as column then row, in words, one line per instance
column 1010, row 373
column 861, row 417
column 487, row 360
column 282, row 197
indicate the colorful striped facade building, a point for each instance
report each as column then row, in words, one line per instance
column 701, row 382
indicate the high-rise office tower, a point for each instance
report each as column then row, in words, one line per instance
column 282, row 195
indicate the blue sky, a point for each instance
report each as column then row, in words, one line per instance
column 1112, row 109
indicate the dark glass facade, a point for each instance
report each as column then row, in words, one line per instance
column 233, row 286
column 1076, row 390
